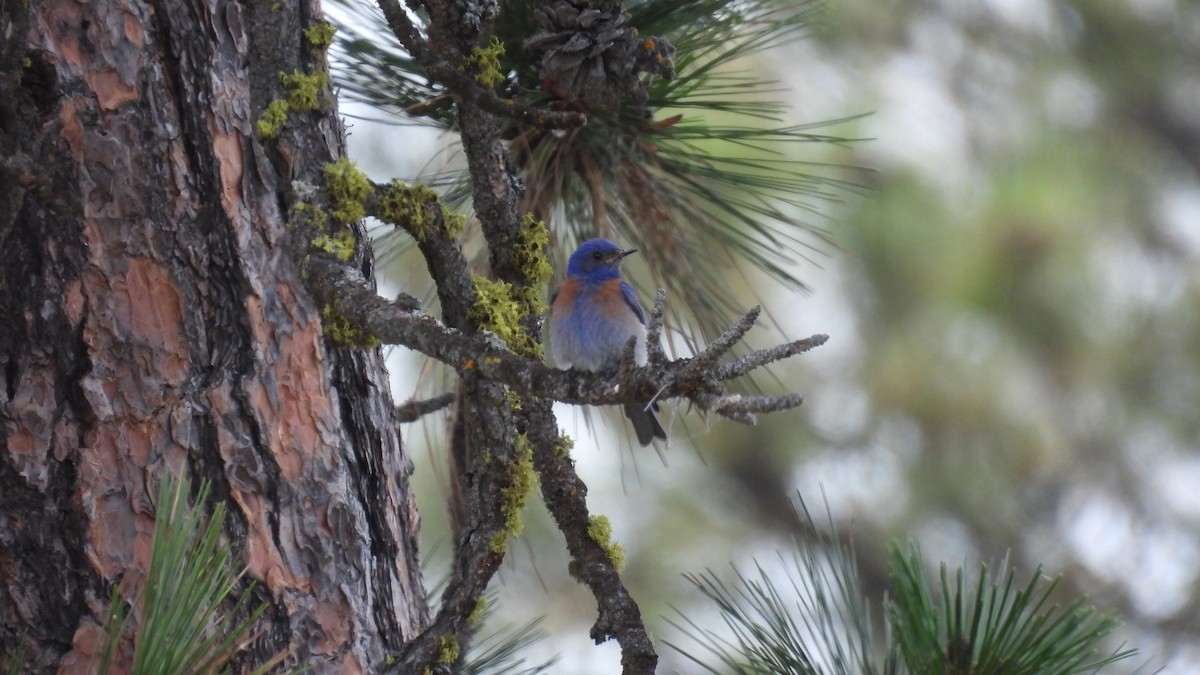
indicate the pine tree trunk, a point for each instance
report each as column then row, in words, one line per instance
column 151, row 319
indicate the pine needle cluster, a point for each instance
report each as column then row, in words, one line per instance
column 699, row 170
column 818, row 622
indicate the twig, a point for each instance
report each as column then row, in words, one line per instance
column 762, row 357
column 463, row 86
column 728, row 338
column 411, row 411
column 654, row 350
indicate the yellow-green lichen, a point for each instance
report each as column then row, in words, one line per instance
column 514, row 494
column 403, row 205
column 485, row 62
column 349, row 188
column 453, row 222
column 501, row 308
column 477, row 614
column 600, row 530
column 304, row 90
column 563, row 446
column 339, row 329
column 497, row 310
column 520, row 482
column 341, row 245
column 499, row 542
column 307, row 217
column 514, row 400
column 531, row 259
column 320, row 35
column 303, row 93
column 448, row 649
column 273, row 119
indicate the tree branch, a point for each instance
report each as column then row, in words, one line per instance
column 696, row 379
column 655, row 356
column 565, row 496
column 414, row 410
column 463, row 86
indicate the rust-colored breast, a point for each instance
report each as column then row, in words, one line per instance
column 610, row 300
column 564, row 298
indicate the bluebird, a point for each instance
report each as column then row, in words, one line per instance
column 593, row 315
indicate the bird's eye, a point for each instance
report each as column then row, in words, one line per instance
column 597, row 255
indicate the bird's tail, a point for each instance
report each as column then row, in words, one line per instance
column 645, row 422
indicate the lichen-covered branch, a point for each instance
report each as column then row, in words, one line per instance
column 594, row 558
column 698, row 379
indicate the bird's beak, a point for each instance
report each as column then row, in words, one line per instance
column 621, row 254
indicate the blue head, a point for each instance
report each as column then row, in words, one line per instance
column 597, row 260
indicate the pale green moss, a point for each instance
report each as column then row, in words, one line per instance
column 273, row 119
column 308, row 217
column 563, row 446
column 515, row 493
column 485, row 62
column 514, row 400
column 304, row 90
column 499, row 542
column 403, row 205
column 501, row 308
column 520, row 481
column 534, row 264
column 341, row 245
column 453, row 222
column 339, row 329
column 320, row 35
column 497, row 310
column 448, row 649
column 349, row 188
column 600, row 530
column 477, row 614
column 303, row 93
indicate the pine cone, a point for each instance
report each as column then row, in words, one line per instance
column 591, row 54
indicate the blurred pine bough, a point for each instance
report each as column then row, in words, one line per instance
column 816, row 621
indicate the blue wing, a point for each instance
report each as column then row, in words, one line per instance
column 630, row 297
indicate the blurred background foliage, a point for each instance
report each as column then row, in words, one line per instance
column 1014, row 311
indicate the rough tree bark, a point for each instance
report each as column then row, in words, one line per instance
column 150, row 318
